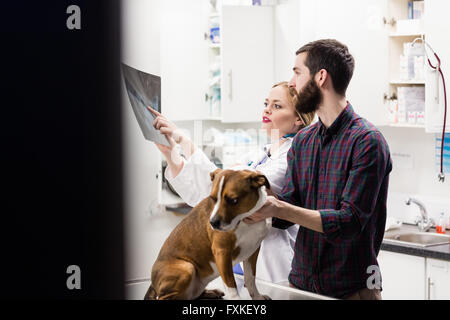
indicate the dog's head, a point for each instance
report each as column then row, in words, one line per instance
column 237, row 194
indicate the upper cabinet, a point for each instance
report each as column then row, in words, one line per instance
column 247, row 61
column 437, row 27
column 392, row 82
column 221, row 65
column 216, row 65
column 184, row 59
column 365, row 35
column 416, row 95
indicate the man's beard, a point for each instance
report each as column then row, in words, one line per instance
column 309, row 98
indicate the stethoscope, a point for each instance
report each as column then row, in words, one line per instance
column 438, row 69
column 267, row 155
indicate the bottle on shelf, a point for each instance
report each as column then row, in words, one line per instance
column 215, row 30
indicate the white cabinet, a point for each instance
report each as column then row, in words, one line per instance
column 184, row 59
column 405, row 81
column 409, row 277
column 437, row 26
column 247, row 61
column 375, row 41
column 434, row 29
column 366, row 36
column 438, row 279
column 403, row 276
column 247, row 64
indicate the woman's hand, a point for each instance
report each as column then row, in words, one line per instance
column 168, row 129
column 165, row 126
column 173, row 134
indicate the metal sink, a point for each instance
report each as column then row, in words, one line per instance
column 422, row 239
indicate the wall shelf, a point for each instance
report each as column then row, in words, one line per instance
column 402, row 30
column 406, row 125
column 400, row 35
column 402, row 82
column 212, row 118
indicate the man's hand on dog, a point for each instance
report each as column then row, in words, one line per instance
column 267, row 211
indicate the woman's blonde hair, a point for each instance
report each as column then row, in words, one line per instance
column 306, row 118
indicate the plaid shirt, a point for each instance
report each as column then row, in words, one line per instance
column 343, row 172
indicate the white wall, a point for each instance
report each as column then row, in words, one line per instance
column 421, row 180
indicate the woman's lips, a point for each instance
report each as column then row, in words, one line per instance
column 266, row 120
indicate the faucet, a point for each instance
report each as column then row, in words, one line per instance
column 423, row 222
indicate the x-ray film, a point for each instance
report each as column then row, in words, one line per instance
column 144, row 90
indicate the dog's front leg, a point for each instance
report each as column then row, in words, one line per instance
column 249, row 277
column 225, row 268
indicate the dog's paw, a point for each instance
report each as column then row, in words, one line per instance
column 231, row 294
column 262, row 297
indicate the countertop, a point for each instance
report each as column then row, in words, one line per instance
column 441, row 252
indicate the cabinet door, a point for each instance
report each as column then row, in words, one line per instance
column 403, row 276
column 184, row 59
column 359, row 25
column 437, row 25
column 438, row 279
column 247, row 61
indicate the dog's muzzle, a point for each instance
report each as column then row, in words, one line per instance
column 215, row 224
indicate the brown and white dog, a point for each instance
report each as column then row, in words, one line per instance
column 212, row 239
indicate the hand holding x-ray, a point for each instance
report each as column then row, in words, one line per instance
column 143, row 90
column 167, row 128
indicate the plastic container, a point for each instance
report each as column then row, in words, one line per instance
column 215, row 30
column 215, row 35
column 410, row 10
column 440, row 227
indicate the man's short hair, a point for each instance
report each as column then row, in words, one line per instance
column 333, row 56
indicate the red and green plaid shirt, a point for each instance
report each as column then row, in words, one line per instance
column 343, row 172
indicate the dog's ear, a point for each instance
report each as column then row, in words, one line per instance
column 258, row 180
column 215, row 173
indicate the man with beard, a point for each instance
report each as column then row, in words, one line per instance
column 336, row 182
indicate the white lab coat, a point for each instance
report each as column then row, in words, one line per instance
column 193, row 184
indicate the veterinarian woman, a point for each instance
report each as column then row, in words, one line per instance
column 190, row 177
